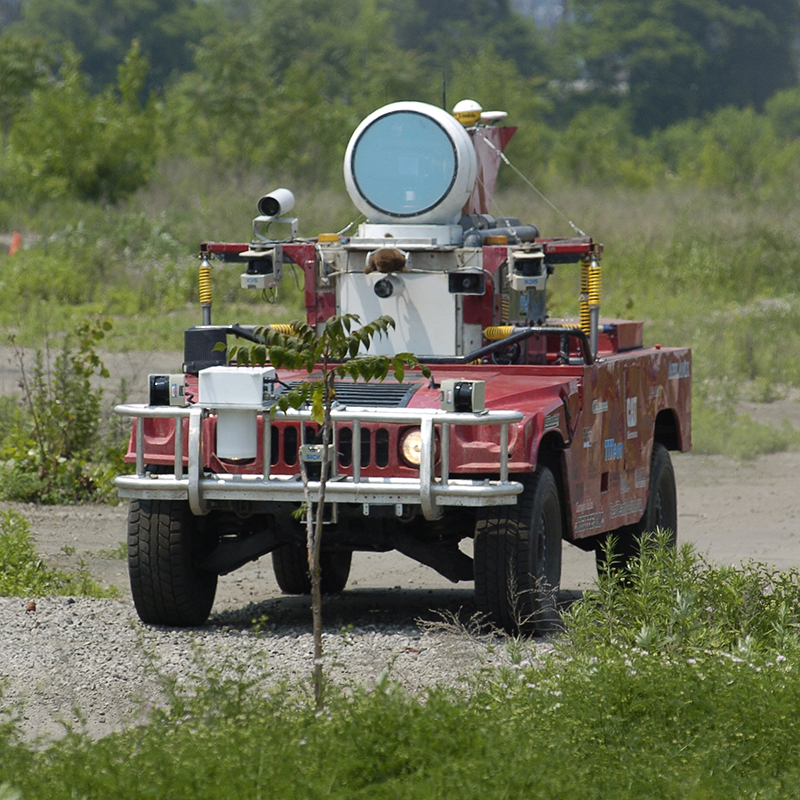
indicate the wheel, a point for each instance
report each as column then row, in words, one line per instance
column 517, row 558
column 290, row 565
column 164, row 544
column 661, row 512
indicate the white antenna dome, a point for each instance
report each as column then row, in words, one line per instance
column 410, row 163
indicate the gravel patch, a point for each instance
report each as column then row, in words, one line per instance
column 91, row 665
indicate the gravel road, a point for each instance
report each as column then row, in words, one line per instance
column 91, row 665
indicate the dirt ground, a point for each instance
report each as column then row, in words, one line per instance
column 731, row 511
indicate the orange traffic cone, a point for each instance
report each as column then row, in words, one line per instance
column 16, row 241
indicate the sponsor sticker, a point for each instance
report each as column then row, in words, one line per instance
column 632, row 409
column 620, row 509
column 589, row 522
column 612, row 450
column 679, row 369
column 551, row 421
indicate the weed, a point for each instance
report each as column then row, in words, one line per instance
column 119, row 553
column 24, row 574
column 674, row 602
column 50, row 449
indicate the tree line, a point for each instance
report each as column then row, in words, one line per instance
column 94, row 92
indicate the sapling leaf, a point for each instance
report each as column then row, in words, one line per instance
column 317, row 406
column 399, row 369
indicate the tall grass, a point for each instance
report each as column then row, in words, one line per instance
column 682, row 682
column 703, row 268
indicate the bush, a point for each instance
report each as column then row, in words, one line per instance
column 673, row 602
column 67, row 143
column 52, row 450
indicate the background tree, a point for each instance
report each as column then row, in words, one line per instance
column 675, row 59
column 24, row 65
column 448, row 31
column 102, row 32
column 283, row 85
column 67, row 142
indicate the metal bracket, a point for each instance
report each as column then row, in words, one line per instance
column 196, row 502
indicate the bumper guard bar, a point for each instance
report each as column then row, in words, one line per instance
column 202, row 488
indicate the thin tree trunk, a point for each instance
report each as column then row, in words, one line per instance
column 314, row 533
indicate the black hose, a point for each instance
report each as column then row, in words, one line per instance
column 519, row 336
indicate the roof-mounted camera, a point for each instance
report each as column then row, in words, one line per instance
column 274, row 207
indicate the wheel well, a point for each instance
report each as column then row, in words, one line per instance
column 551, row 455
column 667, row 430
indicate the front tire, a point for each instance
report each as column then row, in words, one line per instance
column 165, row 541
column 290, row 565
column 661, row 513
column 518, row 559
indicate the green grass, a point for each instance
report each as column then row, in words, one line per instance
column 679, row 683
column 704, row 269
column 119, row 553
column 24, row 574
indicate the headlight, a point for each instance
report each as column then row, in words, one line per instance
column 411, row 447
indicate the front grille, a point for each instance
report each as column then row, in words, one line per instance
column 380, row 395
column 376, row 442
column 375, row 445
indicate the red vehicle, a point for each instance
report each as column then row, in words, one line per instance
column 529, row 432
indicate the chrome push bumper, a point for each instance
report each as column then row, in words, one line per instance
column 429, row 491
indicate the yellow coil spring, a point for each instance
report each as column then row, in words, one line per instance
column 283, row 328
column 584, row 302
column 594, row 284
column 205, row 284
column 496, row 332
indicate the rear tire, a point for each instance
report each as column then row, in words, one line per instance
column 165, row 541
column 290, row 565
column 661, row 512
column 518, row 559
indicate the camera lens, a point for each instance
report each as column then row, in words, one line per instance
column 159, row 390
column 462, row 396
column 383, row 288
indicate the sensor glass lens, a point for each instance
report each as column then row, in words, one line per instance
column 404, row 163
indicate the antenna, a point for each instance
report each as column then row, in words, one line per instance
column 444, row 91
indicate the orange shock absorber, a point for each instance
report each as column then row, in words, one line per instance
column 205, row 289
column 585, row 317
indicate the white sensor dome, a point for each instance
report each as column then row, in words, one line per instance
column 410, row 163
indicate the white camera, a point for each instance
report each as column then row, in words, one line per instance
column 276, row 203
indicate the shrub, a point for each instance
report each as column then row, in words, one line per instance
column 52, row 448
column 67, row 143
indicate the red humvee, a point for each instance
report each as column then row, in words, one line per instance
column 530, row 431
